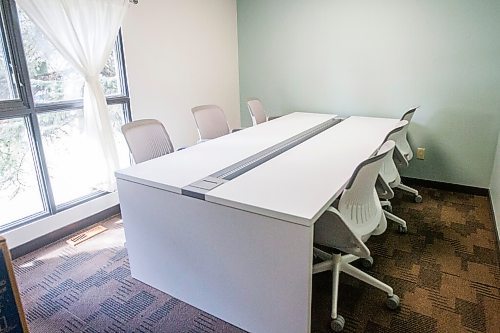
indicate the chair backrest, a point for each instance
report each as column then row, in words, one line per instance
column 359, row 204
column 404, row 145
column 389, row 170
column 147, row 139
column 409, row 114
column 257, row 111
column 331, row 230
column 210, row 121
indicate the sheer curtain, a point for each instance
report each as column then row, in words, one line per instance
column 84, row 32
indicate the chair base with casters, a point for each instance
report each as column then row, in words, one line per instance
column 389, row 177
column 403, row 153
column 417, row 197
column 337, row 263
column 358, row 217
column 402, row 228
column 386, row 205
column 385, row 193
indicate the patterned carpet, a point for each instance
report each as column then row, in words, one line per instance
column 446, row 271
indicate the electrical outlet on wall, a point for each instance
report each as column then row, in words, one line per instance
column 421, row 153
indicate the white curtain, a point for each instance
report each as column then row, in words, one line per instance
column 84, row 32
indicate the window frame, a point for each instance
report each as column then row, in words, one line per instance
column 12, row 38
column 24, row 106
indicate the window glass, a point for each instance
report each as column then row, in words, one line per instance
column 52, row 78
column 117, row 113
column 69, row 156
column 19, row 190
column 70, row 164
column 8, row 89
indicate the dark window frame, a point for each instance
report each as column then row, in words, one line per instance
column 25, row 107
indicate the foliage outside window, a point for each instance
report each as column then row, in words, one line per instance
column 45, row 164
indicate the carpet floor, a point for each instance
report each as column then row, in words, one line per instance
column 446, row 271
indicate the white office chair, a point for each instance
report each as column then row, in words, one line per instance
column 404, row 147
column 257, row 111
column 147, row 139
column 210, row 121
column 391, row 178
column 358, row 216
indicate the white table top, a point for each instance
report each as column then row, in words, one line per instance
column 174, row 171
column 299, row 185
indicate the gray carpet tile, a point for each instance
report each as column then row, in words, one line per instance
column 88, row 288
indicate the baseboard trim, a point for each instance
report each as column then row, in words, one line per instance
column 484, row 192
column 493, row 217
column 58, row 234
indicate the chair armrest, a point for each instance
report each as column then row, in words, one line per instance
column 399, row 159
column 384, row 191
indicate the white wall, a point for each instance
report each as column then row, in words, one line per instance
column 180, row 54
column 495, row 187
column 47, row 225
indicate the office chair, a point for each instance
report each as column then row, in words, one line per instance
column 391, row 178
column 147, row 139
column 358, row 216
column 257, row 111
column 404, row 147
column 211, row 122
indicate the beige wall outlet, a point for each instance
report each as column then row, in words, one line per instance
column 421, row 153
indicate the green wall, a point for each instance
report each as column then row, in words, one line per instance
column 378, row 58
column 495, row 188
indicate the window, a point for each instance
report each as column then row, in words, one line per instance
column 42, row 144
column 8, row 88
column 20, row 194
column 67, row 152
column 52, row 78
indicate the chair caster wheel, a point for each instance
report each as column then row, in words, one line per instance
column 367, row 262
column 402, row 229
column 392, row 302
column 337, row 324
column 418, row 198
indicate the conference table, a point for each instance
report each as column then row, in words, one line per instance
column 227, row 225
